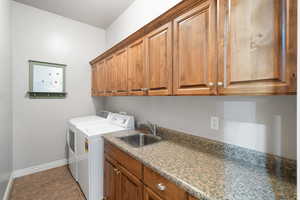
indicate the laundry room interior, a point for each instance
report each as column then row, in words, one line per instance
column 148, row 100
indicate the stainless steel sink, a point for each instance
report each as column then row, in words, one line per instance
column 140, row 139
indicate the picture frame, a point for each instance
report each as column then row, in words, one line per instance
column 47, row 80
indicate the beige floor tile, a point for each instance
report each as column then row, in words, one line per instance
column 53, row 184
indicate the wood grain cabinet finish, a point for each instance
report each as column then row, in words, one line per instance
column 110, row 75
column 257, row 46
column 137, row 68
column 129, row 163
column 192, row 198
column 101, row 77
column 195, row 51
column 121, row 65
column 131, row 188
column 119, row 184
column 110, row 181
column 150, row 195
column 163, row 187
column 159, row 61
column 94, row 84
column 208, row 47
column 127, row 179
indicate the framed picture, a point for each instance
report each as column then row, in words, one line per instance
column 47, row 79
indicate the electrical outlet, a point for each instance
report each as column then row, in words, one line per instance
column 214, row 123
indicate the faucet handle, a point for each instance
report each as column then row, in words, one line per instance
column 152, row 127
column 150, row 124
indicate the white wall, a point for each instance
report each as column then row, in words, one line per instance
column 39, row 124
column 266, row 124
column 139, row 13
column 5, row 96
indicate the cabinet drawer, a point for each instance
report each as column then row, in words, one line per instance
column 164, row 188
column 129, row 163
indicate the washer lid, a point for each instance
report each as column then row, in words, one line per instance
column 97, row 131
column 81, row 121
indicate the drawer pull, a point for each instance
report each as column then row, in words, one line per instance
column 211, row 84
column 145, row 89
column 161, row 187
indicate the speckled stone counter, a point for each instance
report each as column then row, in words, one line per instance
column 208, row 173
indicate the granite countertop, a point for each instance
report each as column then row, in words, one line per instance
column 205, row 175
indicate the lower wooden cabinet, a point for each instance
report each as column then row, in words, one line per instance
column 150, row 195
column 119, row 184
column 131, row 188
column 161, row 186
column 125, row 180
column 110, row 181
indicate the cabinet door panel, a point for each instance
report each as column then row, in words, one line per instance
column 94, row 80
column 149, row 195
column 101, row 77
column 110, row 183
column 130, row 186
column 136, row 67
column 121, row 71
column 194, row 51
column 110, row 73
column 159, row 60
column 253, row 57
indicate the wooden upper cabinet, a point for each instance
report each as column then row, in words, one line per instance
column 136, row 68
column 257, row 46
column 159, row 60
column 121, row 66
column 110, row 74
column 211, row 47
column 101, row 77
column 195, row 51
column 94, row 80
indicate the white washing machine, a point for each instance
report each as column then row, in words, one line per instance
column 72, row 133
column 90, row 152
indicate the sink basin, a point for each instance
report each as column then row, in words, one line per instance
column 140, row 139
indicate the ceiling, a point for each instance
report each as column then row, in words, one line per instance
column 100, row 13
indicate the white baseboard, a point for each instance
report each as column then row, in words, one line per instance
column 8, row 188
column 39, row 168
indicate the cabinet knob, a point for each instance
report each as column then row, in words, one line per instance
column 220, row 83
column 145, row 89
column 210, row 84
column 161, row 187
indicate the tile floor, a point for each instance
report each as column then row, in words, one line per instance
column 53, row 184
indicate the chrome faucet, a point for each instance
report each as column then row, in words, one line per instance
column 153, row 128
